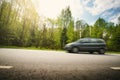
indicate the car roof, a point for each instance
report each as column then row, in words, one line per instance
column 91, row 38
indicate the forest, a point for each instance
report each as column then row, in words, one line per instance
column 21, row 25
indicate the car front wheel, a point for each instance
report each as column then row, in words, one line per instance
column 75, row 50
column 69, row 51
column 101, row 51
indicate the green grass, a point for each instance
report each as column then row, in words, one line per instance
column 28, row 48
column 34, row 48
column 112, row 52
column 10, row 47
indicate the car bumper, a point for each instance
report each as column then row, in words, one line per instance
column 68, row 48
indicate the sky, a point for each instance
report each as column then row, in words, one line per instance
column 87, row 10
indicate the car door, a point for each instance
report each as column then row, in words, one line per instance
column 84, row 44
column 93, row 46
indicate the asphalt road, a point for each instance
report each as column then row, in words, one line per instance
column 20, row 64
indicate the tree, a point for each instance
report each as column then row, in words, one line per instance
column 64, row 20
column 16, row 22
column 63, row 38
column 5, row 28
column 70, row 32
column 119, row 20
column 115, row 38
column 99, row 28
column 80, row 27
column 87, row 31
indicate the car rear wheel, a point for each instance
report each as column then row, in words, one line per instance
column 75, row 50
column 69, row 51
column 91, row 52
column 101, row 51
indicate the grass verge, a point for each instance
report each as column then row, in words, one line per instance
column 112, row 52
column 28, row 48
column 34, row 48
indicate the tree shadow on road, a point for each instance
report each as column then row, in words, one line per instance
column 95, row 53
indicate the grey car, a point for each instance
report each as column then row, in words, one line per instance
column 88, row 45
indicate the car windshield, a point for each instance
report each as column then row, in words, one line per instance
column 78, row 40
column 83, row 40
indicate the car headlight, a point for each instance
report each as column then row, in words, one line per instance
column 68, row 45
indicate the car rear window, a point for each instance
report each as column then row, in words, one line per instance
column 100, row 41
column 97, row 41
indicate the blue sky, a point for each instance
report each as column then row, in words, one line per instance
column 107, row 9
column 87, row 10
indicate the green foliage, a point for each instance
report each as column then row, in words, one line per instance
column 65, row 21
column 116, row 39
column 81, row 27
column 63, row 38
column 70, row 32
column 21, row 25
column 98, row 28
column 86, row 31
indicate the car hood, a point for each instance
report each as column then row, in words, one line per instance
column 71, row 43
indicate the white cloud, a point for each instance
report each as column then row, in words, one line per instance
column 77, row 8
column 114, row 18
column 85, row 2
column 52, row 8
column 80, row 8
column 100, row 6
column 107, row 14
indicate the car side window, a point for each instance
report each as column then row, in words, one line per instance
column 84, row 41
column 100, row 41
column 97, row 41
column 93, row 41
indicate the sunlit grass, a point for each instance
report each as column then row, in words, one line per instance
column 112, row 52
column 29, row 48
column 34, row 48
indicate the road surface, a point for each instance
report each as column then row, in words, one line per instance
column 20, row 64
